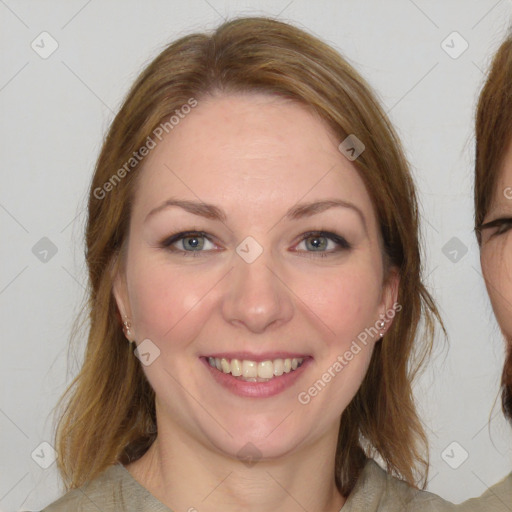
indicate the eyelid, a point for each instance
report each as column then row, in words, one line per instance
column 495, row 222
column 498, row 224
column 168, row 242
column 175, row 237
column 340, row 241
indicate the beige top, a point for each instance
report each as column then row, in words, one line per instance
column 116, row 490
column 496, row 499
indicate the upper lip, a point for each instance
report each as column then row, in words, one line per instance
column 267, row 356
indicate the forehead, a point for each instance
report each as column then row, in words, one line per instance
column 252, row 149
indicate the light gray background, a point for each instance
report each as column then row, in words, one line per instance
column 55, row 111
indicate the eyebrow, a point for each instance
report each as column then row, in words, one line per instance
column 212, row 212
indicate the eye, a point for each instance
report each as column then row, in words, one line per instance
column 189, row 243
column 323, row 243
column 501, row 225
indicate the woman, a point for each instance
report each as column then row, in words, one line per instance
column 493, row 221
column 253, row 230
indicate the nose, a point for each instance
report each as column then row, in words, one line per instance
column 256, row 296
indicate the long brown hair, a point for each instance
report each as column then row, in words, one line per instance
column 493, row 129
column 110, row 414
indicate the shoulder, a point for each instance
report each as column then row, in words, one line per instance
column 94, row 495
column 113, row 490
column 378, row 491
column 496, row 499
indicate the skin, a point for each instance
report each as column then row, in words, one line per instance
column 255, row 157
column 496, row 251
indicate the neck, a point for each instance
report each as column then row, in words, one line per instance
column 184, row 474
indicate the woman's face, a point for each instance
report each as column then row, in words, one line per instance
column 251, row 180
column 496, row 252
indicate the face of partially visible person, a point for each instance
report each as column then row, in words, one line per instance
column 496, row 249
column 252, row 238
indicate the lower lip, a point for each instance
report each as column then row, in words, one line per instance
column 272, row 387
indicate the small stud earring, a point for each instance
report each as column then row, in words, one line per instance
column 380, row 325
column 126, row 329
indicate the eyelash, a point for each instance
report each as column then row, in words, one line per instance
column 498, row 223
column 176, row 237
column 341, row 242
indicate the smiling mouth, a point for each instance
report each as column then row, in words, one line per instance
column 253, row 371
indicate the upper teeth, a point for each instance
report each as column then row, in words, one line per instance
column 252, row 369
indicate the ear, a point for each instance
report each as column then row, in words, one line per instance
column 389, row 305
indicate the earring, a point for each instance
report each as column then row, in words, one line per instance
column 126, row 329
column 380, row 325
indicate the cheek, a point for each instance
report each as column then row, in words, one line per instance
column 342, row 358
column 165, row 302
column 343, row 308
column 346, row 300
